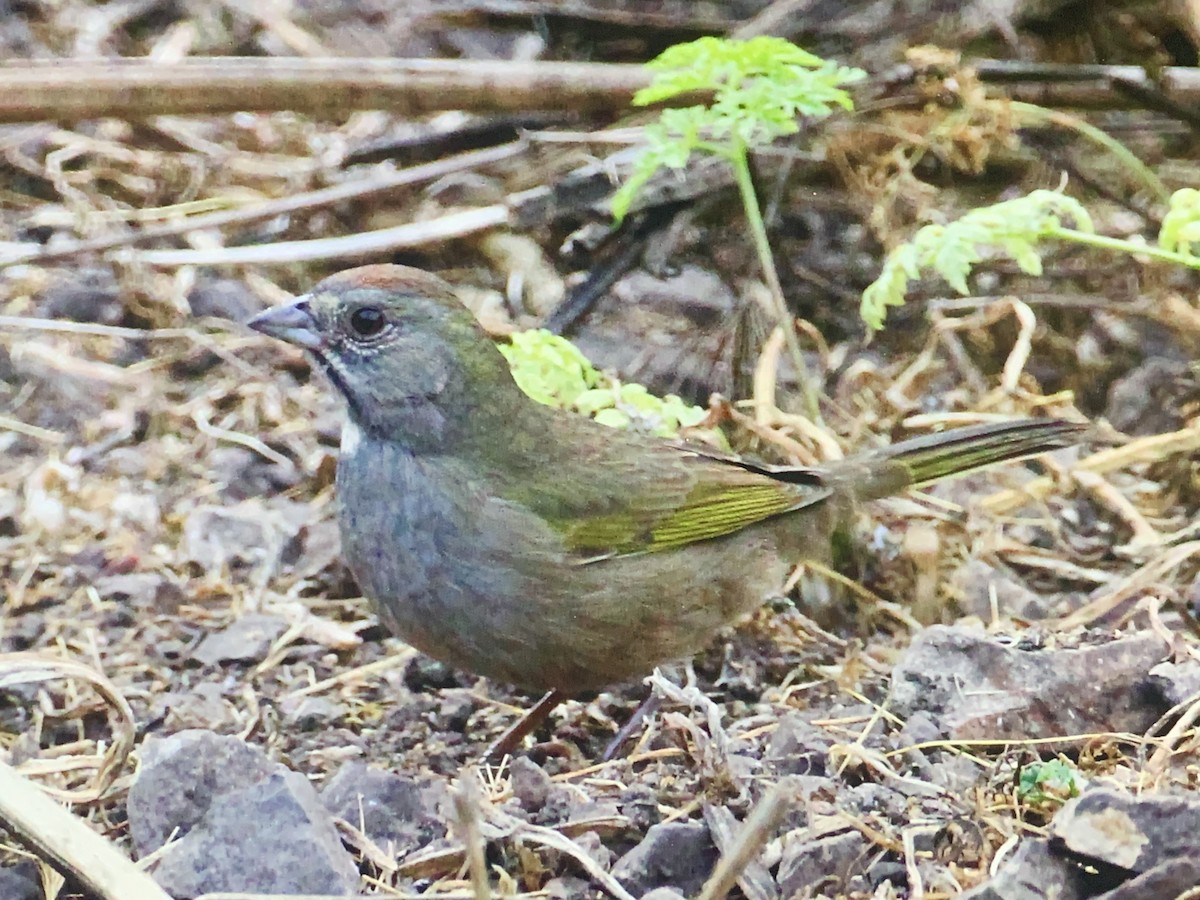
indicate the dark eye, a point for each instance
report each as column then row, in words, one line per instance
column 367, row 321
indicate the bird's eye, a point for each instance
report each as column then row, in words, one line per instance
column 367, row 321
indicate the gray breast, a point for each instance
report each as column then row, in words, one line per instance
column 446, row 570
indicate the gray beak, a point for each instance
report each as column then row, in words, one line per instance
column 292, row 323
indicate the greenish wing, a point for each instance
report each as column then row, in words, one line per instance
column 713, row 498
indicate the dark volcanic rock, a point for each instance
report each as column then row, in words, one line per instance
column 273, row 837
column 181, row 776
column 241, row 823
column 1033, row 872
column 676, row 854
column 398, row 813
column 976, row 687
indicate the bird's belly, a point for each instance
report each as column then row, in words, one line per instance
column 476, row 586
column 442, row 575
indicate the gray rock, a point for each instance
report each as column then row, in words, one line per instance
column 399, row 814
column 1171, row 879
column 697, row 293
column 1147, row 399
column 248, row 534
column 663, row 893
column 246, row 640
column 639, row 804
column 956, row 774
column 918, row 729
column 675, row 854
column 180, row 778
column 530, row 783
column 797, row 747
column 311, row 713
column 593, row 846
column 20, row 882
column 272, row 837
column 822, row 866
column 83, row 295
column 1133, row 833
column 203, row 707
column 567, row 888
column 975, row 687
column 1032, row 872
column 976, row 583
column 755, row 880
column 1176, row 681
column 140, row 590
column 224, row 298
column 873, row 799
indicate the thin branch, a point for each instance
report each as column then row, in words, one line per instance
column 1085, row 86
column 67, row 90
column 412, row 234
column 68, row 844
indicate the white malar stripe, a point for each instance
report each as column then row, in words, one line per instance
column 351, row 438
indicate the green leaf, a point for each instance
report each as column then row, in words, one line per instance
column 760, row 87
column 1055, row 781
column 1014, row 228
column 548, row 368
column 1181, row 225
column 551, row 370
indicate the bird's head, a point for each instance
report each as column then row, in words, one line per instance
column 410, row 360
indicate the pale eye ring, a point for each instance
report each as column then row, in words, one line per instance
column 367, row 321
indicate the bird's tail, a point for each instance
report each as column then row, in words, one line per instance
column 932, row 457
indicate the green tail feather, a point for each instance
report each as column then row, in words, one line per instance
column 932, row 457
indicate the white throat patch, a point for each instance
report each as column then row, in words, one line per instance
column 351, row 438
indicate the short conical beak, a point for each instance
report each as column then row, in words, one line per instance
column 292, row 323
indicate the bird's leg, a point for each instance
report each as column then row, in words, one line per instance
column 512, row 737
column 647, row 707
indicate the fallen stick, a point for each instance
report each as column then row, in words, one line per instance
column 53, row 834
column 69, row 89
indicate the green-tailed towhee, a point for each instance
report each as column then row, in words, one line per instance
column 536, row 546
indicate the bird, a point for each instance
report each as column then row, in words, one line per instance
column 535, row 546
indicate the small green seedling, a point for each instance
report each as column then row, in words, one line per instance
column 551, row 370
column 760, row 88
column 1015, row 228
column 1050, row 783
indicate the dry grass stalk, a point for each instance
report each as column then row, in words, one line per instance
column 54, row 834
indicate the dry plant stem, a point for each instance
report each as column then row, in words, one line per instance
column 1085, row 86
column 415, row 234
column 66, row 89
column 71, row 846
column 1144, row 534
column 1039, row 115
column 1157, row 763
column 466, row 811
column 1127, row 588
column 783, row 316
column 755, row 833
column 34, row 668
column 359, row 674
column 377, row 183
column 554, row 840
column 523, row 727
column 45, row 435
